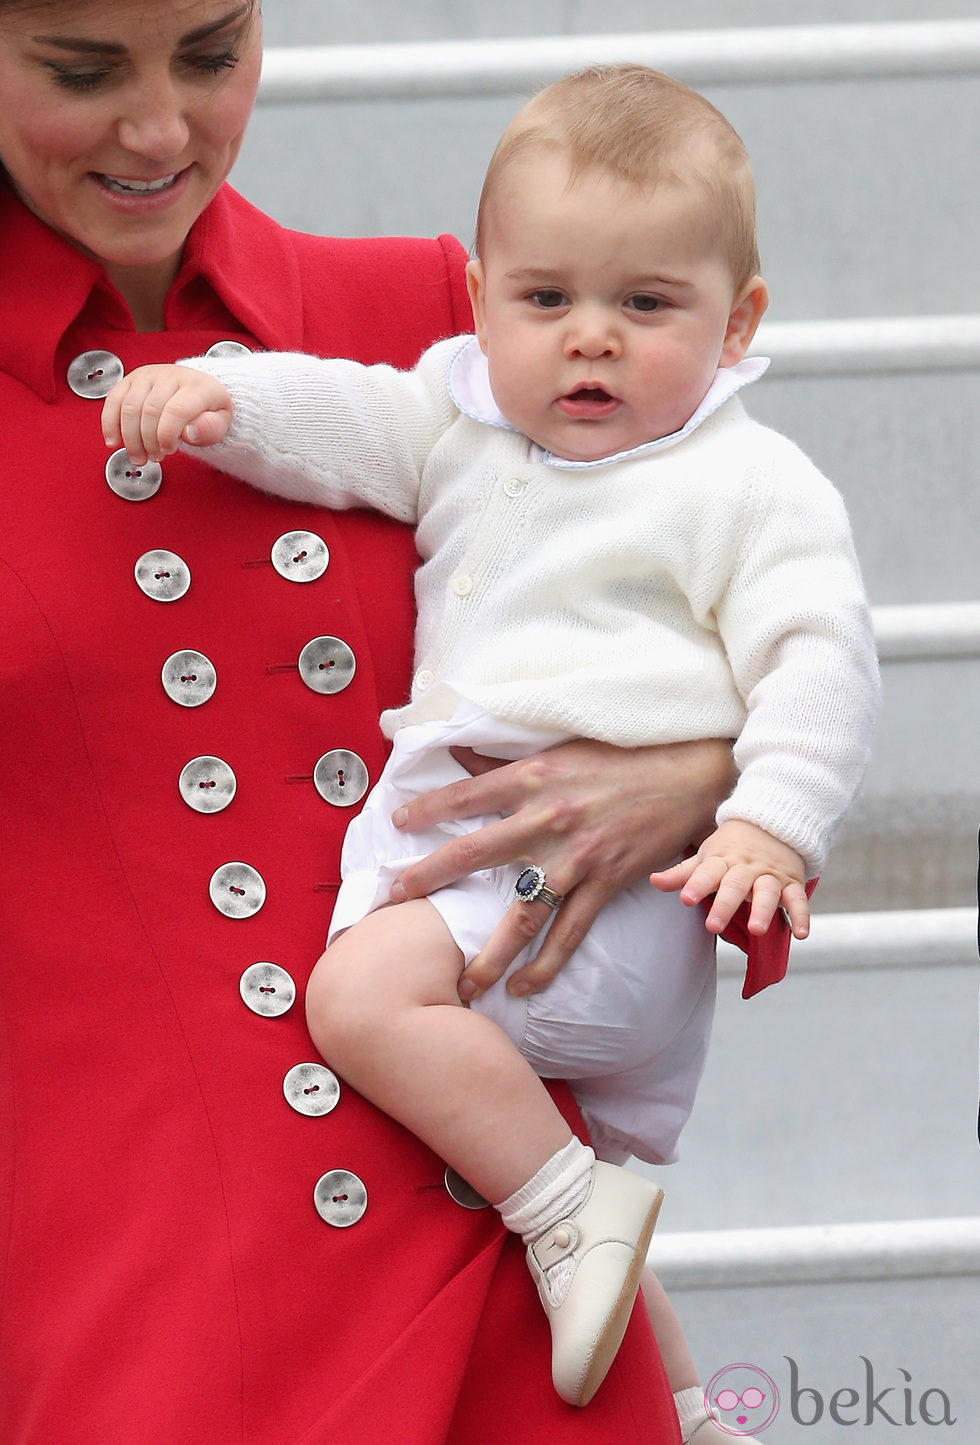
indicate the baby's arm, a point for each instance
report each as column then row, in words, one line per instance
column 741, row 861
column 326, row 431
column 155, row 407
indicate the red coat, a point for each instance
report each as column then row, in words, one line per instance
column 167, row 1279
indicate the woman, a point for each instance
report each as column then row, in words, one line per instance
column 202, row 1248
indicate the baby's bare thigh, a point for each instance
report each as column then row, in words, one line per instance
column 401, row 955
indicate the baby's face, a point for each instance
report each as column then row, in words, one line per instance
column 602, row 308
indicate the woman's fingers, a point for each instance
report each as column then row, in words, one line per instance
column 568, row 927
column 497, row 787
column 519, row 927
column 506, row 840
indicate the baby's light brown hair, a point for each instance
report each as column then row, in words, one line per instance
column 643, row 127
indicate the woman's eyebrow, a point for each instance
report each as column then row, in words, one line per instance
column 81, row 46
column 204, row 31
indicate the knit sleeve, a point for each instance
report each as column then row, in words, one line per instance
column 797, row 630
column 332, row 432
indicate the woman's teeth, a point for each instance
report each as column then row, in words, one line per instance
column 137, row 188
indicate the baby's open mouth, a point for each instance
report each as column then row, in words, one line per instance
column 590, row 393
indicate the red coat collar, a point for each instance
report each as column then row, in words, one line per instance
column 234, row 254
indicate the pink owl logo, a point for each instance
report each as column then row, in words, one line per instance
column 741, row 1399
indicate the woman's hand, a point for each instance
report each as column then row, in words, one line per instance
column 596, row 818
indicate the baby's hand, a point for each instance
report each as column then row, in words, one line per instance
column 155, row 407
column 740, row 861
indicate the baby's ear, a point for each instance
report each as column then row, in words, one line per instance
column 476, row 285
column 747, row 311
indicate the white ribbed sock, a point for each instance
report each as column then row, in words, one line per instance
column 558, row 1188
column 690, row 1410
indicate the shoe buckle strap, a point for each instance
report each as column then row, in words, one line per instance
column 556, row 1245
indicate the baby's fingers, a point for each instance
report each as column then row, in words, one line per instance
column 140, row 412
column 668, row 880
column 111, row 408
column 797, row 906
column 731, row 887
column 704, row 879
column 767, row 894
column 206, row 429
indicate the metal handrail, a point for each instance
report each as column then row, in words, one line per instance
column 877, row 344
column 927, row 631
column 893, row 938
column 748, row 55
column 892, row 1249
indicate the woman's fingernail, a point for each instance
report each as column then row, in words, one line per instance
column 400, row 817
column 466, row 988
column 518, row 989
column 397, row 894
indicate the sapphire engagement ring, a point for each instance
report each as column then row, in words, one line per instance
column 530, row 888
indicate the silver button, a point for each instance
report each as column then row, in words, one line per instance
column 237, row 890
column 424, row 679
column 340, row 1198
column 462, row 1192
column 311, row 1089
column 326, row 664
column 341, row 778
column 300, row 556
column 229, row 348
column 515, row 487
column 93, row 374
column 207, row 784
column 132, row 483
column 267, row 989
column 188, row 678
column 162, row 575
column 462, row 585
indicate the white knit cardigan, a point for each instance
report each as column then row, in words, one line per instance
column 705, row 589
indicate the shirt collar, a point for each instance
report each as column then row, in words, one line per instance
column 469, row 388
column 48, row 283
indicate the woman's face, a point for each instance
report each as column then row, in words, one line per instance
column 119, row 119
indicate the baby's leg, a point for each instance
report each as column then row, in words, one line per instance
column 383, row 1010
column 681, row 1371
column 696, row 1424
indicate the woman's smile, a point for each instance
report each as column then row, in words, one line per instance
column 120, row 120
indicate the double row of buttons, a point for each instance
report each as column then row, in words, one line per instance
column 208, row 784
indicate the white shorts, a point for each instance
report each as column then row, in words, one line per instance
column 626, row 1021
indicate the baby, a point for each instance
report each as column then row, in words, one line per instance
column 611, row 548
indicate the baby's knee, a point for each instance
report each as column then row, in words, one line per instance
column 339, row 1010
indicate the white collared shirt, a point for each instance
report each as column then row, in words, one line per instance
column 469, row 387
